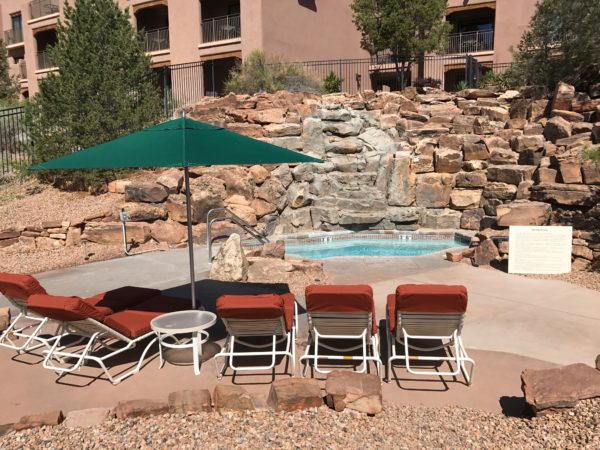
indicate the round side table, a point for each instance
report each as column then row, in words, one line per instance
column 193, row 322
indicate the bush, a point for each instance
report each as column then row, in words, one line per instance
column 502, row 81
column 332, row 83
column 259, row 73
column 429, row 82
column 561, row 43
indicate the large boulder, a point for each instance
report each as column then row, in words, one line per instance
column 475, row 151
column 141, row 212
column 190, row 401
column 557, row 128
column 202, row 203
column 146, row 193
column 272, row 191
column 402, row 185
column 563, row 96
column 475, row 179
column 357, row 391
column 471, row 219
column 563, row 194
column 485, row 253
column 230, row 264
column 440, row 219
column 434, row 189
column 4, row 318
column 87, row 418
column 168, row 231
column 140, row 408
column 465, row 198
column 292, row 394
column 447, row 161
column 378, row 140
column 111, row 233
column 500, row 191
column 232, row 398
column 172, row 179
column 548, row 390
column 511, row 174
column 523, row 213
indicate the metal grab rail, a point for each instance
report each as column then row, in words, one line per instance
column 229, row 215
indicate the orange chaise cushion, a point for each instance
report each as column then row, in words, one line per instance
column 19, row 286
column 341, row 298
column 63, row 308
column 391, row 312
column 431, row 298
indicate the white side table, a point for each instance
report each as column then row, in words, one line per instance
column 193, row 322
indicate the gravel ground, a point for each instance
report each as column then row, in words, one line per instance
column 590, row 280
column 14, row 259
column 397, row 427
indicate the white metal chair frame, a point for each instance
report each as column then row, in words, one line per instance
column 237, row 329
column 99, row 337
column 429, row 326
column 28, row 326
column 341, row 325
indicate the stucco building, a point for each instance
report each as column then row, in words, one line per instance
column 222, row 31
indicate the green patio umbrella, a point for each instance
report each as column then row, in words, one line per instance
column 178, row 143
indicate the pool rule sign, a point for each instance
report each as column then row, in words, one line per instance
column 540, row 250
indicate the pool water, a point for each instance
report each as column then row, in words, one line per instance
column 370, row 247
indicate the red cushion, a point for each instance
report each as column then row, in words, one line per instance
column 63, row 308
column 19, row 286
column 341, row 298
column 122, row 298
column 132, row 324
column 264, row 306
column 431, row 298
column 391, row 312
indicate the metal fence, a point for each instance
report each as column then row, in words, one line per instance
column 156, row 40
column 182, row 84
column 13, row 36
column 14, row 151
column 44, row 61
column 472, row 42
column 384, row 72
column 221, row 28
column 41, row 8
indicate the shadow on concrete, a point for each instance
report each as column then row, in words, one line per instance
column 208, row 291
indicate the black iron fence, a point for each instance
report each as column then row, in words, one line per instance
column 14, row 151
column 384, row 72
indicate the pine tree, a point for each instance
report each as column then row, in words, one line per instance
column 561, row 44
column 8, row 86
column 104, row 87
column 406, row 28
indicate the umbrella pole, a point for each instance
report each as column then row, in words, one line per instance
column 188, row 203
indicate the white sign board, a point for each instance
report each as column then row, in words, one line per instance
column 540, row 250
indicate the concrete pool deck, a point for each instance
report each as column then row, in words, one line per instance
column 512, row 323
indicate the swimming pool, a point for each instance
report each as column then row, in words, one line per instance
column 328, row 247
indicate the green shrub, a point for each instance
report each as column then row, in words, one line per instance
column 591, row 153
column 502, row 81
column 259, row 73
column 332, row 83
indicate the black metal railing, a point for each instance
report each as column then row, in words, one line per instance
column 44, row 61
column 41, row 8
column 472, row 42
column 14, row 149
column 221, row 28
column 13, row 36
column 156, row 40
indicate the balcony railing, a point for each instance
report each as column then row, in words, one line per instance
column 22, row 70
column 221, row 28
column 13, row 36
column 475, row 41
column 44, row 61
column 41, row 8
column 156, row 40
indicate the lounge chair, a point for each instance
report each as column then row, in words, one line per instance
column 103, row 329
column 341, row 313
column 25, row 325
column 428, row 312
column 254, row 316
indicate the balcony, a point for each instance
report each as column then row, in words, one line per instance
column 22, row 71
column 221, row 28
column 156, row 40
column 12, row 37
column 41, row 8
column 472, row 42
column 43, row 61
